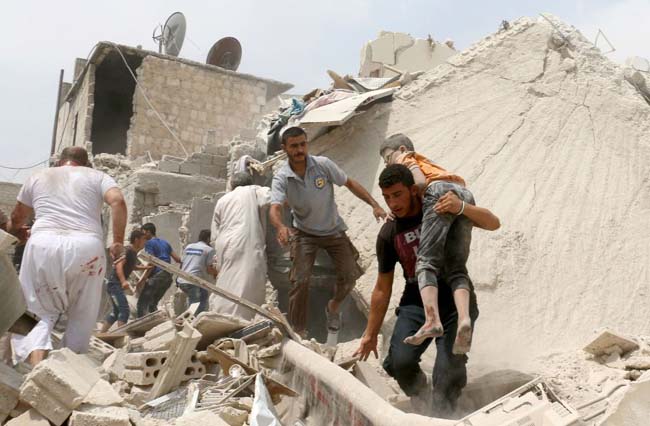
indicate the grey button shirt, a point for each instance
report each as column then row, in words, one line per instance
column 311, row 199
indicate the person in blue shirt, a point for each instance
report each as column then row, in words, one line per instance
column 154, row 288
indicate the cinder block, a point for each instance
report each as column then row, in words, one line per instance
column 202, row 158
column 214, row 171
column 99, row 350
column 30, row 417
column 58, row 385
column 143, row 368
column 10, row 382
column 190, row 168
column 169, row 166
column 220, row 160
column 100, row 416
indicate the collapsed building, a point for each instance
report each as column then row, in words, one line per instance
column 547, row 132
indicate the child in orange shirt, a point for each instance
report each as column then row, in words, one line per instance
column 435, row 184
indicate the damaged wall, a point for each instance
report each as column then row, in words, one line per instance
column 8, row 193
column 106, row 108
column 551, row 138
column 403, row 52
column 192, row 100
column 74, row 124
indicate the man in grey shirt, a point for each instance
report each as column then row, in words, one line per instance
column 197, row 261
column 305, row 183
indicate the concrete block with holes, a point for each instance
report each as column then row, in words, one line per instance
column 143, row 368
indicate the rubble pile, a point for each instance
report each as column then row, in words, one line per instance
column 547, row 132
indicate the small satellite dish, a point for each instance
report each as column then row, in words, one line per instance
column 172, row 34
column 225, row 53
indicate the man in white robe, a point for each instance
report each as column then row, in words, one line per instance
column 239, row 225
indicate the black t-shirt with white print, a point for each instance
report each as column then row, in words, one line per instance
column 398, row 242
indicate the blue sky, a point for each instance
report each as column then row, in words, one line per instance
column 288, row 40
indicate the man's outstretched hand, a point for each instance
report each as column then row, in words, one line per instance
column 368, row 344
column 379, row 213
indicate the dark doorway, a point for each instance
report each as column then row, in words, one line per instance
column 113, row 97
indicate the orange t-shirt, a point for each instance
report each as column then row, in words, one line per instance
column 430, row 171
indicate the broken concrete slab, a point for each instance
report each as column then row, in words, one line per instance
column 103, row 395
column 160, row 337
column 10, row 382
column 59, row 384
column 370, row 377
column 213, row 325
column 233, row 416
column 12, row 305
column 30, row 417
column 637, row 363
column 200, row 418
column 180, row 352
column 632, row 409
column 138, row 327
column 608, row 342
column 88, row 415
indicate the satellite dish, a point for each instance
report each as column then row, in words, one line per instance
column 171, row 36
column 225, row 53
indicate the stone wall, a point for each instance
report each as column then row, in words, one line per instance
column 8, row 193
column 192, row 100
column 76, row 112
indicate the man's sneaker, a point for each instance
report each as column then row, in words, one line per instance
column 333, row 321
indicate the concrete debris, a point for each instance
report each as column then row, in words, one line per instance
column 100, row 416
column 213, row 325
column 10, row 383
column 393, row 53
column 535, row 92
column 103, row 395
column 174, row 370
column 609, row 342
column 12, row 305
column 30, row 417
column 632, row 409
column 58, row 385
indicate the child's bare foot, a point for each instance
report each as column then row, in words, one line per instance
column 463, row 340
column 425, row 332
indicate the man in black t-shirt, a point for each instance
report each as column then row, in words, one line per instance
column 398, row 242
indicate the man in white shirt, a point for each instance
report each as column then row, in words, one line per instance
column 64, row 262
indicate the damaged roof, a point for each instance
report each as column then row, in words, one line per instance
column 102, row 48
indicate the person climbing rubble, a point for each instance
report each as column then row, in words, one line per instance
column 305, row 183
column 197, row 260
column 239, row 224
column 117, row 284
column 154, row 288
column 435, row 185
column 64, row 261
column 398, row 241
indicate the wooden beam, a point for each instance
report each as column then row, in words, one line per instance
column 278, row 319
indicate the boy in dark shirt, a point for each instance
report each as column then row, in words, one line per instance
column 155, row 282
column 118, row 281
